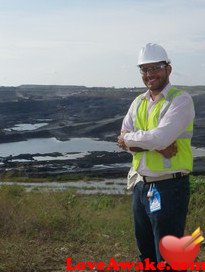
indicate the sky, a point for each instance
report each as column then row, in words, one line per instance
column 97, row 42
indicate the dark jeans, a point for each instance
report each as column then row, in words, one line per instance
column 170, row 220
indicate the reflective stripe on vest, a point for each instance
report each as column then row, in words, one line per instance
column 135, row 109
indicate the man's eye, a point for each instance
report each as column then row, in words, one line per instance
column 156, row 68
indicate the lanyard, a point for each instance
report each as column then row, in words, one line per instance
column 151, row 190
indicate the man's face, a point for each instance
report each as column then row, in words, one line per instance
column 155, row 75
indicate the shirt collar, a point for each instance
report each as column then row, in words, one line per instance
column 163, row 92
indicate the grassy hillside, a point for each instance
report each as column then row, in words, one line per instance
column 39, row 230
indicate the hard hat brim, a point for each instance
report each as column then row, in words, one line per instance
column 153, row 61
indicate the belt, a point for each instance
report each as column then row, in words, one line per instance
column 164, row 177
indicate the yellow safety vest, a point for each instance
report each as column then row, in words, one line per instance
column 141, row 121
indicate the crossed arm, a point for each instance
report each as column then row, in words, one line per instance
column 163, row 138
column 168, row 152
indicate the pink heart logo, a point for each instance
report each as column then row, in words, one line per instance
column 174, row 250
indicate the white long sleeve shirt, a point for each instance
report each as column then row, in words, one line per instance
column 174, row 122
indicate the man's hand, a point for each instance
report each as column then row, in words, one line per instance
column 170, row 151
column 121, row 142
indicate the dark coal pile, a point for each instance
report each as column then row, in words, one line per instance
column 77, row 111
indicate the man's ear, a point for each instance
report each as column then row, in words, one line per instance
column 169, row 69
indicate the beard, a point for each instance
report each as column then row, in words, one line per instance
column 156, row 83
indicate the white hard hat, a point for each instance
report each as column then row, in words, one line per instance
column 152, row 53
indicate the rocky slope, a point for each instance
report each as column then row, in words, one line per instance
column 77, row 111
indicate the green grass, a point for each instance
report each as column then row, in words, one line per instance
column 76, row 177
column 9, row 177
column 39, row 230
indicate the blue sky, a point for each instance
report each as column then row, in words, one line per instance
column 96, row 42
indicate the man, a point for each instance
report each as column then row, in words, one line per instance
column 157, row 130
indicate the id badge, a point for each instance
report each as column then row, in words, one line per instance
column 155, row 201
